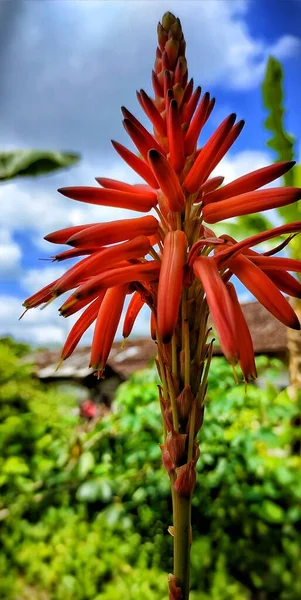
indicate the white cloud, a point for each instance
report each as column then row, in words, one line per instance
column 10, row 256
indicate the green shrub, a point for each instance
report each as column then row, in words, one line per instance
column 85, row 513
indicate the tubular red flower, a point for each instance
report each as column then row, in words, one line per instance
column 140, row 201
column 114, row 231
column 100, row 262
column 133, row 310
column 40, row 297
column 143, row 140
column 198, row 171
column 245, row 344
column 153, row 113
column 170, row 283
column 148, row 271
column 210, row 185
column 276, row 262
column 249, row 182
column 168, row 180
column 106, row 325
column 114, row 184
column 136, row 164
column 175, row 138
column 249, row 203
column 220, row 305
column 74, row 253
column 81, row 325
column 266, row 292
column 62, row 235
column 196, row 125
column 189, row 108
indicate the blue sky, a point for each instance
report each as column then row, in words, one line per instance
column 66, row 68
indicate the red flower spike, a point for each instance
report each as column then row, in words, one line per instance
column 253, row 240
column 62, row 235
column 285, row 282
column 141, row 202
column 40, row 297
column 70, row 307
column 245, row 344
column 210, row 185
column 100, row 262
column 157, row 87
column 114, row 231
column 229, row 141
column 165, row 62
column 136, row 164
column 74, row 253
column 170, row 283
column 202, row 165
column 172, row 49
column 266, row 292
column 167, row 83
column 175, row 138
column 106, row 326
column 143, row 142
column 220, row 305
column 276, row 262
column 250, row 182
column 188, row 92
column 168, row 180
column 114, row 184
column 196, row 125
column 133, row 310
column 250, row 203
column 82, row 324
column 153, row 114
column 180, row 71
column 189, row 108
column 148, row 271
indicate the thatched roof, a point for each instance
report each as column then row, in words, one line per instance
column 269, row 337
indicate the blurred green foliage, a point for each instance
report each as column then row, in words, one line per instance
column 84, row 514
column 27, row 163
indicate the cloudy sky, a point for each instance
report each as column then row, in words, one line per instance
column 67, row 66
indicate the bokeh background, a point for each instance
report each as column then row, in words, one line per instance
column 84, row 501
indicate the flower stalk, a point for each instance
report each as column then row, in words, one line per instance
column 174, row 264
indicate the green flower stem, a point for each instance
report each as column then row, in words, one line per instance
column 182, row 540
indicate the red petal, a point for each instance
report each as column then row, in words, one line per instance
column 153, row 113
column 62, row 235
column 136, row 164
column 142, row 202
column 168, row 180
column 245, row 344
column 170, row 283
column 114, row 231
column 189, row 108
column 106, row 326
column 81, row 325
column 264, row 290
column 220, row 305
column 249, row 203
column 175, row 138
column 143, row 141
column 249, row 182
column 202, row 165
column 196, row 125
column 132, row 313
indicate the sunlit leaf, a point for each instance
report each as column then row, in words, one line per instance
column 25, row 163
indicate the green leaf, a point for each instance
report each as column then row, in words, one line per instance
column 25, row 163
column 272, row 90
column 85, row 464
column 271, row 512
